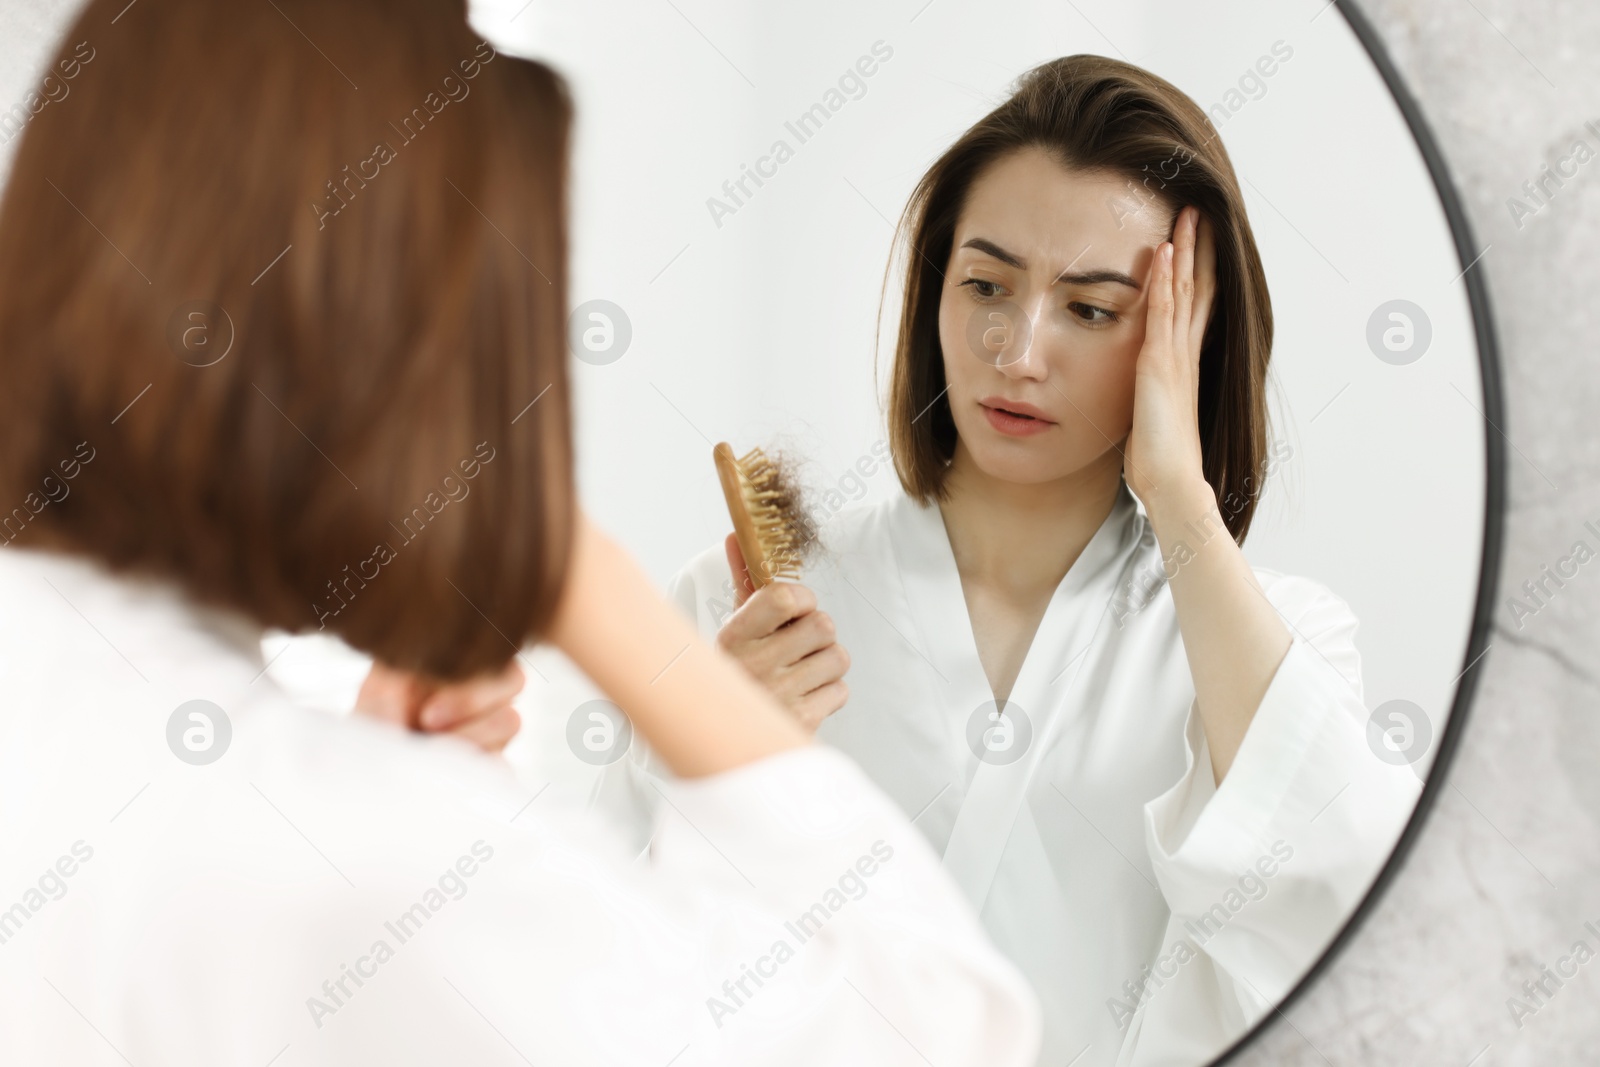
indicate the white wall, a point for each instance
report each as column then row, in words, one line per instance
column 761, row 330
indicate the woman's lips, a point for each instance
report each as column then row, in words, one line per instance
column 1014, row 418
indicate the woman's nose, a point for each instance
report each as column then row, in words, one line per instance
column 1022, row 355
column 1004, row 336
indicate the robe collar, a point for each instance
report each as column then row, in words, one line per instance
column 932, row 585
column 1043, row 697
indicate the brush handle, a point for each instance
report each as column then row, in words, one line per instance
column 744, row 528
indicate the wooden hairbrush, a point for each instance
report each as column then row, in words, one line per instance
column 769, row 520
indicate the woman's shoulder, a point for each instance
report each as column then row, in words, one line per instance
column 1304, row 600
column 1318, row 617
column 859, row 525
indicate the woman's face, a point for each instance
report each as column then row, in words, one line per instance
column 1042, row 315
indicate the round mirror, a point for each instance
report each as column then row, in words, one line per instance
column 1167, row 771
column 741, row 249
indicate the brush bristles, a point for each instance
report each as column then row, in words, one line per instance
column 782, row 525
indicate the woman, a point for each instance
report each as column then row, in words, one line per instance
column 282, row 303
column 1143, row 760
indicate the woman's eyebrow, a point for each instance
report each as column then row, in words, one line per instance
column 1095, row 277
column 1086, row 277
column 989, row 248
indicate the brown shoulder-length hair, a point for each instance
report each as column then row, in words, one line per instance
column 282, row 318
column 1098, row 114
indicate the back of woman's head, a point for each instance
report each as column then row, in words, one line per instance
column 291, row 276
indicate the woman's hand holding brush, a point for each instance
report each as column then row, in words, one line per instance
column 783, row 640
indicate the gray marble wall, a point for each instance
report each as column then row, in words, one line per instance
column 1508, row 870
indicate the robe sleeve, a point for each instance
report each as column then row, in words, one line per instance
column 894, row 955
column 790, row 917
column 1261, row 872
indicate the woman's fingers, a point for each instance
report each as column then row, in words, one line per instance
column 1158, row 313
column 478, row 710
column 1183, row 241
column 809, row 633
column 453, row 705
column 391, row 696
column 765, row 611
column 790, row 647
column 823, row 667
column 492, row 731
column 742, row 585
column 818, row 704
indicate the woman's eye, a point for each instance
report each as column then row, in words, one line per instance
column 1092, row 314
column 984, row 288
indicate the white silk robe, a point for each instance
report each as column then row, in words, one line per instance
column 1157, row 915
column 337, row 891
